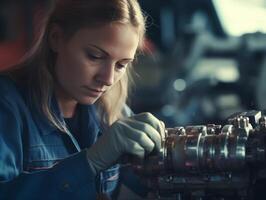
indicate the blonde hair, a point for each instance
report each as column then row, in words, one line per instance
column 37, row 68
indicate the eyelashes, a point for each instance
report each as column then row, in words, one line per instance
column 95, row 57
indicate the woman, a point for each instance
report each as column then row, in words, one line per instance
column 62, row 121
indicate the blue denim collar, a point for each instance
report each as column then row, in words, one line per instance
column 90, row 125
column 45, row 126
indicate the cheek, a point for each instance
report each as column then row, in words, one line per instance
column 119, row 76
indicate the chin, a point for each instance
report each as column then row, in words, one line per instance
column 88, row 100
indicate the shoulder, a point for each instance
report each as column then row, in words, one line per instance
column 10, row 97
column 7, row 87
column 11, row 129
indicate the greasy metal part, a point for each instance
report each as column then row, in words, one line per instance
column 218, row 159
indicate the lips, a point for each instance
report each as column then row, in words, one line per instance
column 93, row 91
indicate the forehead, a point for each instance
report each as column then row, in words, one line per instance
column 118, row 40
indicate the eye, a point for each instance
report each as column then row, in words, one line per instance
column 92, row 56
column 121, row 66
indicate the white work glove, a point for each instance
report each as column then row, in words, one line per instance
column 137, row 135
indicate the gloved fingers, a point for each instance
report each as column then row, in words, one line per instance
column 162, row 130
column 134, row 148
column 150, row 119
column 146, row 129
column 153, row 121
column 141, row 137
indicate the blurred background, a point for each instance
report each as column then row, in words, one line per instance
column 204, row 59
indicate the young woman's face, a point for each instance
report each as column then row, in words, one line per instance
column 92, row 60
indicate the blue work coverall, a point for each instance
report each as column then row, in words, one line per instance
column 37, row 161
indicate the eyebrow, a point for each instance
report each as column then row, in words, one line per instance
column 107, row 54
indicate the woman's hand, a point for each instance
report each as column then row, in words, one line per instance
column 137, row 135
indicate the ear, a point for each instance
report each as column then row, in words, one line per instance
column 55, row 37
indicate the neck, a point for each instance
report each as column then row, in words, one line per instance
column 66, row 104
column 68, row 108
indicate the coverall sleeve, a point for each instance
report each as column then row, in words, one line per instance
column 71, row 178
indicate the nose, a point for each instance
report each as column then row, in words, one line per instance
column 106, row 74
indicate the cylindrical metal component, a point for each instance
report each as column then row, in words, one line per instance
column 210, row 149
column 201, row 153
column 210, row 158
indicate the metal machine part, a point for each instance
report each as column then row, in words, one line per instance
column 209, row 162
